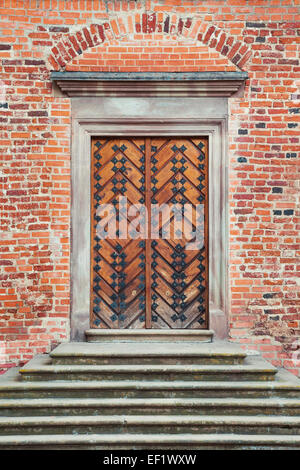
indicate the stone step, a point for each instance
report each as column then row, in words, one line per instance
column 150, row 424
column 100, row 335
column 285, row 385
column 254, row 369
column 149, row 335
column 150, row 441
column 155, row 353
column 151, row 406
column 125, row 395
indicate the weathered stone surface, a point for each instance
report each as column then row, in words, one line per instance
column 155, row 353
column 41, row 368
column 94, row 335
column 151, row 441
column 150, row 424
column 119, row 394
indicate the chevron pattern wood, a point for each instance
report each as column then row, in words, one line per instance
column 158, row 282
column 178, row 289
column 118, row 265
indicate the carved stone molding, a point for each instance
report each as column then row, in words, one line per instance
column 107, row 116
column 149, row 84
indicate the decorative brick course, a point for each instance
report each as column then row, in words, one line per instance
column 179, row 35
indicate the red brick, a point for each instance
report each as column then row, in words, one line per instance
column 263, row 146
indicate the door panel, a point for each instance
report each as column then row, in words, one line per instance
column 154, row 282
column 117, row 265
column 178, row 275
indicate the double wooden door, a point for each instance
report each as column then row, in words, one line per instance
column 151, row 277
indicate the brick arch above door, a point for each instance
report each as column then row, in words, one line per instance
column 144, row 29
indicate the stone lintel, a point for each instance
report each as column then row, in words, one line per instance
column 191, row 84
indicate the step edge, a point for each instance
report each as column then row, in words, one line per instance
column 150, row 402
column 76, row 368
column 146, row 332
column 148, row 354
column 137, row 420
column 142, row 385
column 293, row 440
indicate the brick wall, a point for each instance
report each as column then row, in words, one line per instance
column 160, row 35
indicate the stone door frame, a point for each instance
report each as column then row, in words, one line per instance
column 111, row 116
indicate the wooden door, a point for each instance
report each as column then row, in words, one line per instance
column 156, row 280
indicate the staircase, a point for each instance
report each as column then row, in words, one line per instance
column 134, row 389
